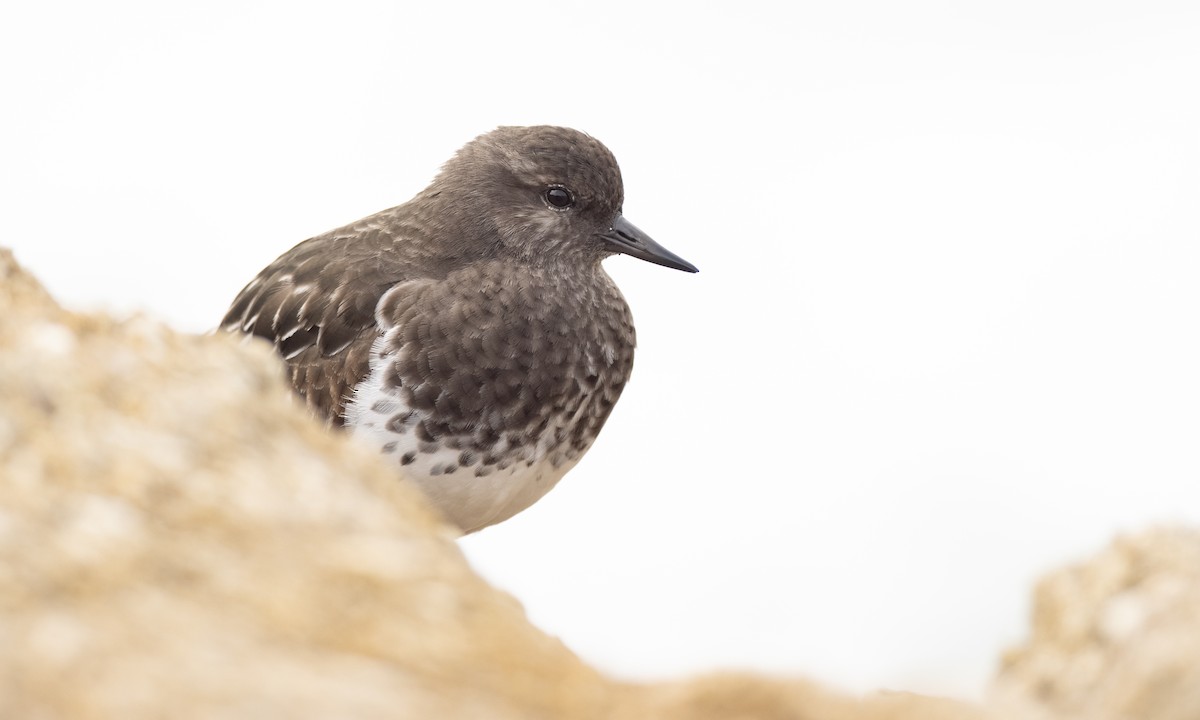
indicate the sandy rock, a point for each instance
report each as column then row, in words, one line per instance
column 1116, row 637
column 178, row 539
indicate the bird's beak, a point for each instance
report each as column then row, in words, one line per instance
column 624, row 237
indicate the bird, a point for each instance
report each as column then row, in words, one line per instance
column 470, row 335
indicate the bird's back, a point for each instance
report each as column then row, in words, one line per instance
column 316, row 304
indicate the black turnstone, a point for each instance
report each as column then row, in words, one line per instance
column 469, row 334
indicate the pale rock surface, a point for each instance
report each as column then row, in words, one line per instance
column 179, row 540
column 1115, row 638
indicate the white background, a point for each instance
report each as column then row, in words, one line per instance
column 944, row 337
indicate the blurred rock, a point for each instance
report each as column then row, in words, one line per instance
column 1117, row 637
column 178, row 539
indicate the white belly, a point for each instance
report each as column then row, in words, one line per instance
column 470, row 493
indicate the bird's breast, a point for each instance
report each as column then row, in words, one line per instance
column 485, row 398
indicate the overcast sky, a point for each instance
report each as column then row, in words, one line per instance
column 944, row 337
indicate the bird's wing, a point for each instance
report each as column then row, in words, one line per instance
column 316, row 304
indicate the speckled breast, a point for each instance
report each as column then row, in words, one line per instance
column 484, row 391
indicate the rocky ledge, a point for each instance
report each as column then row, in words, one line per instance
column 178, row 539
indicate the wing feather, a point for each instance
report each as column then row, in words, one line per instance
column 316, row 305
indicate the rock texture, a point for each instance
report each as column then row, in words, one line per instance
column 178, row 539
column 1115, row 638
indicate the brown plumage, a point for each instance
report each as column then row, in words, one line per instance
column 471, row 331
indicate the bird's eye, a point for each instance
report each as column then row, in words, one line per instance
column 560, row 198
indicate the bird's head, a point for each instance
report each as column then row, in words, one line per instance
column 545, row 195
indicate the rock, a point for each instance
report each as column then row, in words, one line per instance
column 178, row 539
column 1116, row 637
